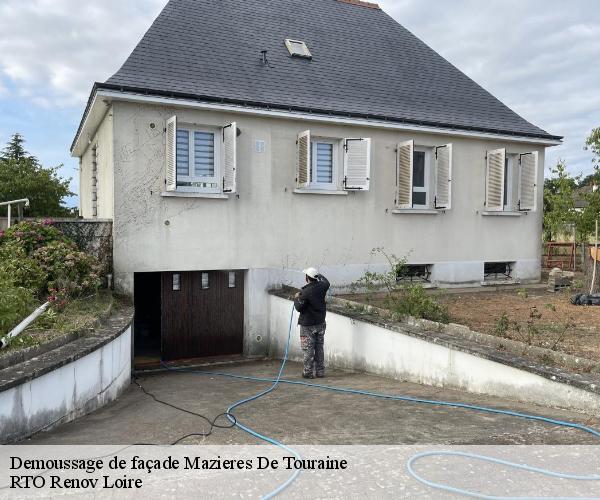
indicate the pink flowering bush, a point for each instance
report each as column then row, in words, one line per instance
column 69, row 272
column 31, row 235
column 37, row 257
column 22, row 270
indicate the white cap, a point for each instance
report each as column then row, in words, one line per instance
column 311, row 272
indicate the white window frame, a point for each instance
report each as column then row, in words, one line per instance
column 216, row 178
column 427, row 188
column 509, row 164
column 329, row 186
column 289, row 43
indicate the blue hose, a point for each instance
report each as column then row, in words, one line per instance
column 278, row 380
column 256, row 434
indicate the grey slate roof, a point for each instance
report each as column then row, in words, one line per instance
column 364, row 64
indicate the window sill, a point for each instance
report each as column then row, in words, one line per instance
column 187, row 194
column 320, row 191
column 500, row 282
column 419, row 211
column 502, row 213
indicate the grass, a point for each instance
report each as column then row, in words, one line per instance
column 79, row 315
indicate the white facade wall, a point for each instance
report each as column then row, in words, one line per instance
column 268, row 226
column 272, row 232
column 103, row 140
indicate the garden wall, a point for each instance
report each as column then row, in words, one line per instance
column 430, row 357
column 68, row 382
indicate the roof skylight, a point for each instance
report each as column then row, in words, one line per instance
column 298, row 48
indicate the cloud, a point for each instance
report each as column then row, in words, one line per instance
column 539, row 57
column 53, row 50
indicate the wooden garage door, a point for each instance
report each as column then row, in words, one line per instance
column 202, row 314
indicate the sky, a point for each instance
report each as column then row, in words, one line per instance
column 539, row 57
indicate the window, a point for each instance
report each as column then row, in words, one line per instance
column 297, row 48
column 497, row 271
column 510, row 181
column 176, row 282
column 200, row 159
column 204, row 281
column 320, row 162
column 423, row 177
column 510, row 186
column 197, row 159
column 420, row 184
column 324, row 164
column 414, row 273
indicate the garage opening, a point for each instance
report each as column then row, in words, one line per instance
column 187, row 315
column 202, row 314
column 147, row 322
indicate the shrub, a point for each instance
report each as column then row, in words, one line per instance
column 414, row 301
column 15, row 303
column 23, row 271
column 69, row 272
column 31, row 235
column 502, row 325
column 401, row 298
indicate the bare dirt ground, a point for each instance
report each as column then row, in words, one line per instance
column 550, row 318
column 530, row 315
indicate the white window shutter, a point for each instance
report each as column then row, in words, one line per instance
column 404, row 174
column 171, row 154
column 303, row 160
column 443, row 177
column 528, row 165
column 494, row 180
column 230, row 158
column 357, row 164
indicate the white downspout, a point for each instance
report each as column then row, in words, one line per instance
column 23, row 324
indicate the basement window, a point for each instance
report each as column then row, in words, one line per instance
column 418, row 273
column 298, row 48
column 204, row 281
column 176, row 282
column 493, row 271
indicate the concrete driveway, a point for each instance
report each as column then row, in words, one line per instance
column 301, row 415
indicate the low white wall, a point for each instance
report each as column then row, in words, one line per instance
column 68, row 392
column 356, row 345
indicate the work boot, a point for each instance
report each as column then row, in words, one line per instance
column 308, row 375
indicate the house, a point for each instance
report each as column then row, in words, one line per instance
column 242, row 141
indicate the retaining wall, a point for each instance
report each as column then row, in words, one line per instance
column 67, row 382
column 430, row 358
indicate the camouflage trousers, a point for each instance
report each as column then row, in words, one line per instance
column 312, row 339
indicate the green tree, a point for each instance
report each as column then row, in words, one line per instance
column 22, row 176
column 593, row 143
column 560, row 215
column 591, row 212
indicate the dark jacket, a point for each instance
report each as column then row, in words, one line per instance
column 311, row 302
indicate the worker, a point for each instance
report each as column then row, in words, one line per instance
column 310, row 303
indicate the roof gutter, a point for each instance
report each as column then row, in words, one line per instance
column 132, row 94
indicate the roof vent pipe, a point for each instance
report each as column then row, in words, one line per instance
column 263, row 58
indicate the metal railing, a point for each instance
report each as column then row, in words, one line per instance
column 19, row 204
